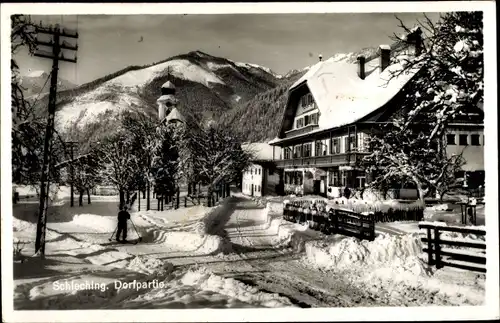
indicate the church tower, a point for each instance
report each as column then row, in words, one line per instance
column 167, row 105
column 167, row 101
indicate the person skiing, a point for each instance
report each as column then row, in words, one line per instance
column 123, row 217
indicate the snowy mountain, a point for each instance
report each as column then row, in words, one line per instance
column 206, row 85
column 33, row 83
column 238, row 94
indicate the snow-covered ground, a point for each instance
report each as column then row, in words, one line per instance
column 237, row 254
column 84, row 270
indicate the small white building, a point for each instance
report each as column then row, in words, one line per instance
column 261, row 177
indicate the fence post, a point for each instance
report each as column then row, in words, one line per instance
column 437, row 247
column 372, row 227
column 429, row 247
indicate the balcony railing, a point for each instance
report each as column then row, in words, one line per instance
column 321, row 161
column 302, row 130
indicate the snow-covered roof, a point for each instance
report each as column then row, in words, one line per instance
column 175, row 115
column 343, row 97
column 260, row 150
column 168, row 85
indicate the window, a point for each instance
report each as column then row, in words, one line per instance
column 450, row 139
column 300, row 123
column 344, row 178
column 360, row 181
column 309, row 99
column 307, row 149
column 297, row 151
column 335, row 146
column 288, row 153
column 349, row 143
column 474, row 140
column 462, row 140
column 319, row 149
column 306, row 120
column 334, row 178
column 251, row 171
column 314, row 118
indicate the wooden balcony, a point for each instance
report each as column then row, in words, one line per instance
column 300, row 131
column 321, row 161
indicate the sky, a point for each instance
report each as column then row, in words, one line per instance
column 108, row 43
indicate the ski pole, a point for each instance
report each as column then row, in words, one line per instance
column 111, row 238
column 140, row 238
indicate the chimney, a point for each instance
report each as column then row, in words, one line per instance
column 361, row 67
column 320, row 57
column 385, row 56
column 415, row 40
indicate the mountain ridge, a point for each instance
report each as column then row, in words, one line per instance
column 247, row 97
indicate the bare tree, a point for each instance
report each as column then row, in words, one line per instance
column 216, row 155
column 120, row 164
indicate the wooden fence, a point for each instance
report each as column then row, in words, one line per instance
column 351, row 223
column 332, row 221
column 458, row 258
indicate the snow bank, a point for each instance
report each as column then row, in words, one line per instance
column 205, row 280
column 396, row 250
column 213, row 226
column 212, row 223
column 197, row 230
column 149, row 265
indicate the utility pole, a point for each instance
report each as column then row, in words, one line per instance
column 72, row 171
column 57, row 33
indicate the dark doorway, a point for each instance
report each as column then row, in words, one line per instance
column 317, row 187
